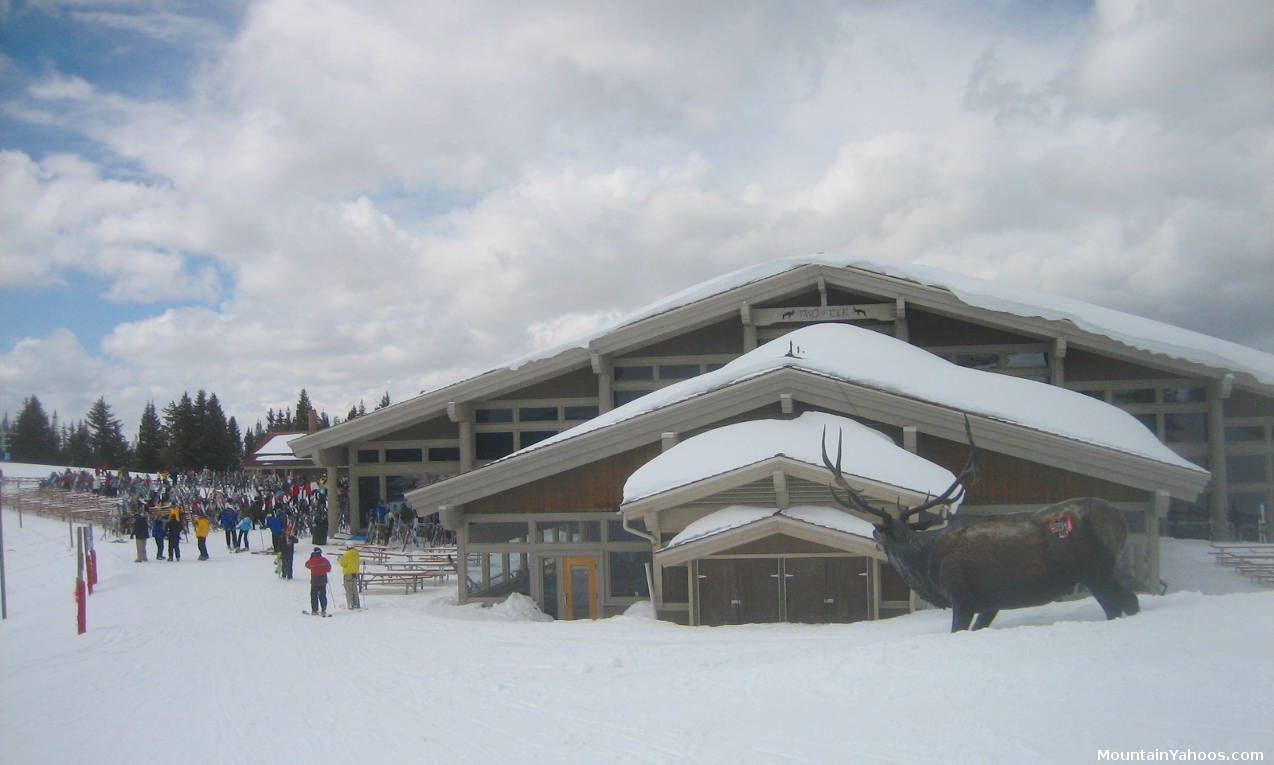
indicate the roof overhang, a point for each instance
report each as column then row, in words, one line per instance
column 819, row 390
column 767, row 527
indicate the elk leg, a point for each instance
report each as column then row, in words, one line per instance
column 960, row 617
column 984, row 619
column 1115, row 599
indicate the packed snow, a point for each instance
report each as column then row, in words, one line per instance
column 861, row 356
column 213, row 661
column 867, row 453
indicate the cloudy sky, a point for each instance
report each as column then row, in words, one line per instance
column 357, row 196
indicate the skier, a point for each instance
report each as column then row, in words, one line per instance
column 275, row 522
column 226, row 520
column 349, row 567
column 201, row 534
column 287, row 550
column 157, row 531
column 318, row 566
column 141, row 532
column 172, row 530
column 241, row 540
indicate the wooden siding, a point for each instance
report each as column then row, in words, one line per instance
column 596, row 486
column 577, row 383
column 723, row 337
column 438, row 427
column 1244, row 404
column 928, row 329
column 1082, row 366
column 1006, row 480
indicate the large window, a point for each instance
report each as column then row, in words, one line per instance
column 1026, row 361
column 628, row 574
column 1246, row 468
column 1185, row 427
column 444, row 454
column 404, row 455
column 570, row 531
column 497, row 575
column 498, row 532
column 493, row 446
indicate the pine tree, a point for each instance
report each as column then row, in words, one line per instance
column 236, row 442
column 384, row 401
column 179, row 421
column 151, row 441
column 220, row 449
column 77, row 446
column 34, row 438
column 106, row 436
column 303, row 409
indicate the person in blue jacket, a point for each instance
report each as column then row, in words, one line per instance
column 227, row 521
column 245, row 525
column 275, row 523
column 157, row 531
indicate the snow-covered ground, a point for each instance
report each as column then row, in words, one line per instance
column 214, row 662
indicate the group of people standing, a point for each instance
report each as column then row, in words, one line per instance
column 166, row 525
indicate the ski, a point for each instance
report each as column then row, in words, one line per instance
column 311, row 613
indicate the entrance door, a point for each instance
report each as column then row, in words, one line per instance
column 580, row 587
column 826, row 590
column 739, row 591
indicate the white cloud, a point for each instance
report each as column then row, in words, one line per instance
column 392, row 195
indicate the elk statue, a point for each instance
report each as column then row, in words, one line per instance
column 979, row 565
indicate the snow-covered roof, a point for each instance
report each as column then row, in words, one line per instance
column 276, row 449
column 868, row 454
column 1135, row 331
column 737, row 516
column 871, row 359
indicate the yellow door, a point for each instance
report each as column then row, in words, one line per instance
column 580, row 587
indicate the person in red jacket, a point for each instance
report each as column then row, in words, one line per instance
column 319, row 567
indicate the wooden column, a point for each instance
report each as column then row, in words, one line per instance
column 334, row 502
column 604, row 368
column 1218, row 391
column 461, row 413
column 749, row 329
column 1158, row 511
column 1057, row 362
column 901, row 331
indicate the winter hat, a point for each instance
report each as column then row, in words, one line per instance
column 317, row 551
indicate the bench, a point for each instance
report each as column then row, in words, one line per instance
column 411, row 581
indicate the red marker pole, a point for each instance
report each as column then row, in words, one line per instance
column 90, row 559
column 81, row 615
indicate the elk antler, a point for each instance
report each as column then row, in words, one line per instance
column 852, row 500
column 954, row 492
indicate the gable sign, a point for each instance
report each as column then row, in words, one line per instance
column 764, row 317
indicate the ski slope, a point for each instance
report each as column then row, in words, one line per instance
column 212, row 662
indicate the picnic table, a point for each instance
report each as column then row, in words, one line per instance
column 1254, row 560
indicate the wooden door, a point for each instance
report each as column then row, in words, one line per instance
column 579, row 587
column 826, row 590
column 738, row 591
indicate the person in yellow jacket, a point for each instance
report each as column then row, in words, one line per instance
column 201, row 535
column 349, row 567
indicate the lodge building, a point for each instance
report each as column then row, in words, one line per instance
column 591, row 476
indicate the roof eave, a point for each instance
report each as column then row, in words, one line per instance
column 823, row 391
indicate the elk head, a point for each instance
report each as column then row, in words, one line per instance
column 887, row 526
